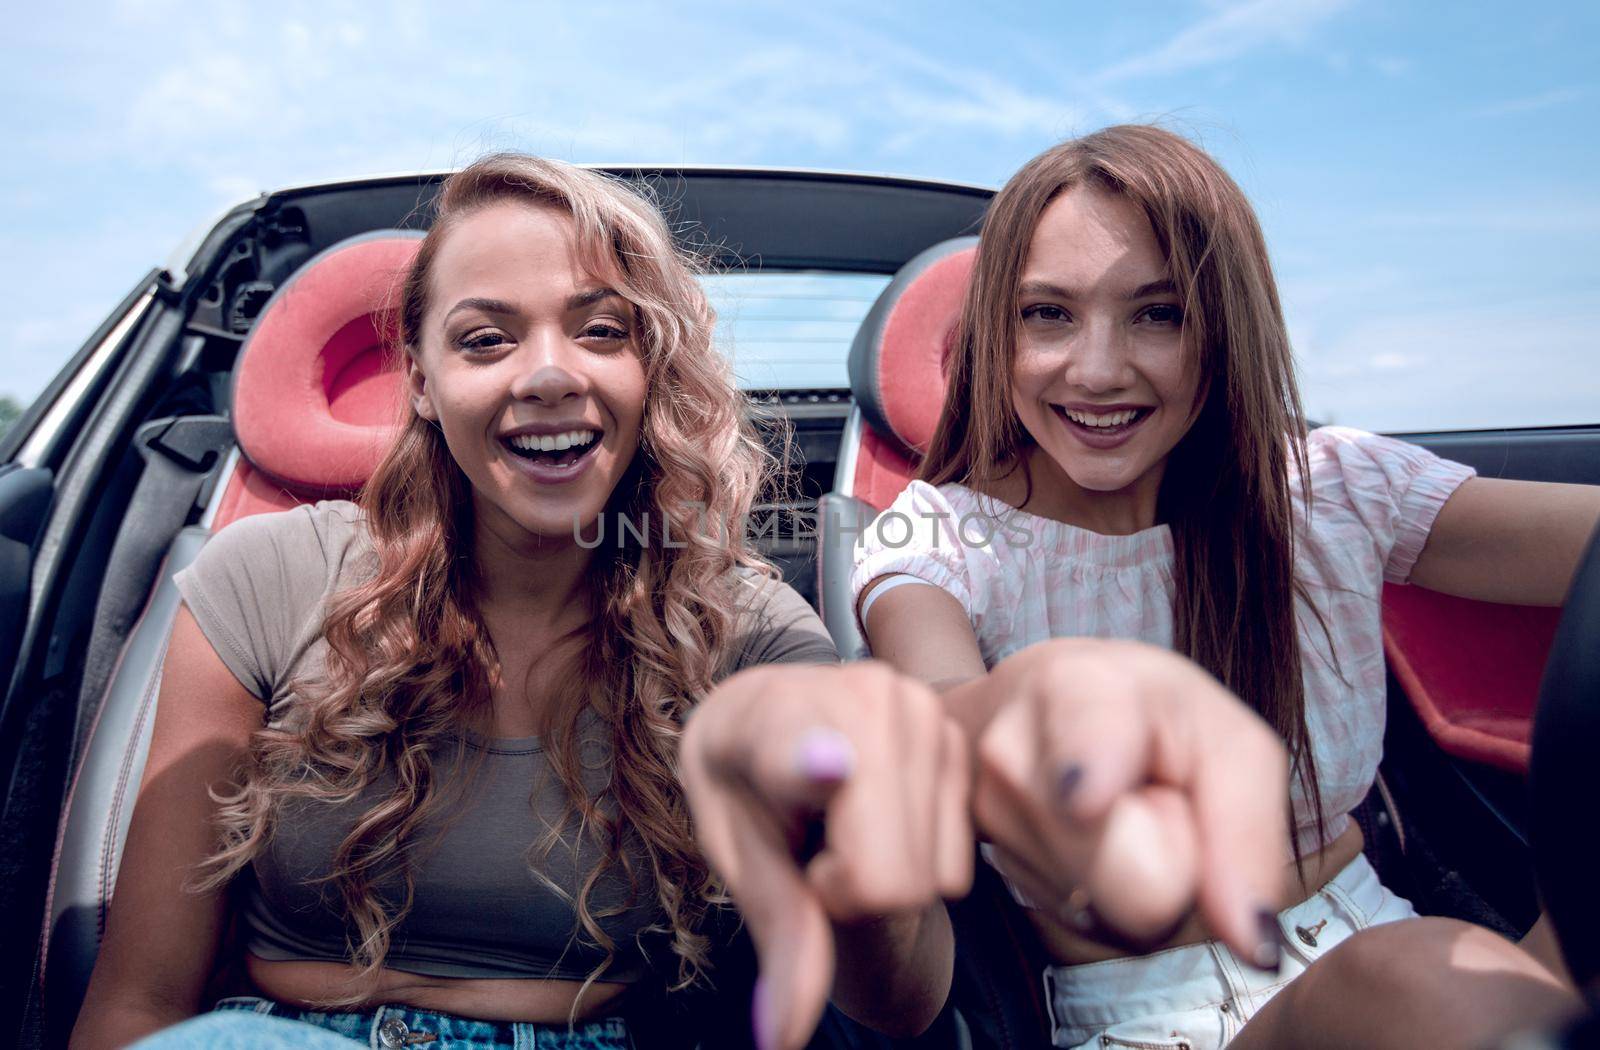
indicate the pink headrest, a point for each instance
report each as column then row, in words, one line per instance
column 316, row 398
column 898, row 357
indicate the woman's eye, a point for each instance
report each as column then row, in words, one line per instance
column 1045, row 312
column 1164, row 314
column 604, row 330
column 481, row 341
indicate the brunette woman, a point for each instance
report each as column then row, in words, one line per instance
column 1123, row 455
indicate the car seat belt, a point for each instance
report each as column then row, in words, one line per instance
column 180, row 454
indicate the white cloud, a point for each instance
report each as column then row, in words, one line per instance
column 52, row 297
column 1512, row 214
column 1309, row 288
column 172, row 118
column 1389, row 361
column 334, row 95
column 993, row 107
column 1226, row 34
column 144, row 10
column 1531, row 103
column 206, row 94
column 1525, row 363
column 233, row 188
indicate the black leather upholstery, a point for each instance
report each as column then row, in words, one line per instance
column 100, row 803
column 840, row 522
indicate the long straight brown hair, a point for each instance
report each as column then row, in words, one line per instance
column 1226, row 492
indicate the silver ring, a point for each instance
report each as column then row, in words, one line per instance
column 1077, row 911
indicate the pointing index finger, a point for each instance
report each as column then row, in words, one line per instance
column 1237, row 775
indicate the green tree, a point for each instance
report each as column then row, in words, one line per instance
column 10, row 410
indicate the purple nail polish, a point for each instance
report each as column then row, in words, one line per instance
column 1067, row 781
column 761, row 1018
column 1269, row 950
column 825, row 755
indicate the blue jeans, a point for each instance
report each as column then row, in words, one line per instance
column 250, row 1023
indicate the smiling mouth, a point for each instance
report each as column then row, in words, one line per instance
column 554, row 450
column 1106, row 424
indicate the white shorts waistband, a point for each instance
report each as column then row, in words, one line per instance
column 1197, row 976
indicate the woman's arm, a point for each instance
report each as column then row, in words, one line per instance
column 1508, row 541
column 1107, row 773
column 161, row 939
column 922, row 630
column 832, row 801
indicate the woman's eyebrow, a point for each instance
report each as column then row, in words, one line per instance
column 1047, row 289
column 1162, row 287
column 488, row 306
column 589, row 298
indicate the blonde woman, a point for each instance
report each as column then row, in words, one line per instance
column 439, row 728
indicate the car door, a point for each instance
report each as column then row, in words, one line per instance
column 52, row 462
column 1465, row 679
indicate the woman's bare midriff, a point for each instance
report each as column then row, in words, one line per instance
column 311, row 984
column 1069, row 947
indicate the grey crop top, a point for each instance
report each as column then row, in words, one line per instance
column 258, row 591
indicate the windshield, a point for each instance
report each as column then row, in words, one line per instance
column 789, row 329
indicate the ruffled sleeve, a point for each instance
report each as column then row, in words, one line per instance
column 1395, row 488
column 922, row 534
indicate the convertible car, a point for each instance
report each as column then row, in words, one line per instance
column 249, row 374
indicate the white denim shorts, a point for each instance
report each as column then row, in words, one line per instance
column 1197, row 997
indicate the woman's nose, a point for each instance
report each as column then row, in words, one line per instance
column 1098, row 360
column 548, row 369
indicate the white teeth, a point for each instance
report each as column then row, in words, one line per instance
column 1110, row 419
column 553, row 442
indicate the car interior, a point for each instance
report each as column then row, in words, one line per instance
column 253, row 374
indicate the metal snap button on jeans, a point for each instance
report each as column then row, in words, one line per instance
column 393, row 1032
column 1308, row 936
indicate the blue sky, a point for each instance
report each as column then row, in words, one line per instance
column 1426, row 173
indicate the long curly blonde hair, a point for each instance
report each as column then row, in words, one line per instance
column 410, row 660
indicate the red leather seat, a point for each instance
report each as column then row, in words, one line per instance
column 1470, row 669
column 897, row 379
column 317, row 396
